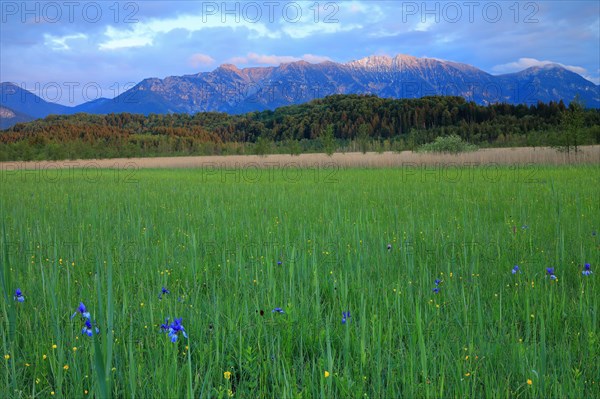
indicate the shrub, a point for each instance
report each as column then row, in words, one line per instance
column 452, row 144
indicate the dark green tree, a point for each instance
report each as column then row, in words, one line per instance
column 328, row 140
column 263, row 146
column 571, row 128
column 363, row 138
column 293, row 146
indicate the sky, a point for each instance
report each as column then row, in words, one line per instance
column 75, row 51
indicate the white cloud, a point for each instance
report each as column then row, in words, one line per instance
column 424, row 26
column 367, row 11
column 315, row 59
column 60, row 42
column 303, row 30
column 524, row 63
column 118, row 39
column 264, row 59
column 144, row 33
column 270, row 59
column 199, row 59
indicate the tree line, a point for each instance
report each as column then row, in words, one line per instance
column 338, row 122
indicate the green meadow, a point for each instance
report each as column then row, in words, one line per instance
column 263, row 266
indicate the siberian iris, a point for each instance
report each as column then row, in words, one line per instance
column 345, row 316
column 586, row 270
column 81, row 309
column 87, row 328
column 277, row 310
column 165, row 326
column 515, row 269
column 550, row 271
column 163, row 291
column 174, row 329
column 437, row 284
column 19, row 295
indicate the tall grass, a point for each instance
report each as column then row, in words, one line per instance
column 230, row 250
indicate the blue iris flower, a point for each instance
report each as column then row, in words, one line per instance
column 87, row 328
column 277, row 310
column 515, row 269
column 437, row 284
column 19, row 295
column 174, row 329
column 550, row 271
column 586, row 270
column 345, row 316
column 163, row 291
column 81, row 309
column 165, row 326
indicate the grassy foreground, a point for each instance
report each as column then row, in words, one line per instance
column 263, row 266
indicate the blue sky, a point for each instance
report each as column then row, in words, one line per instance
column 73, row 51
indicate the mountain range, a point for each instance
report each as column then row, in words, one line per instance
column 233, row 90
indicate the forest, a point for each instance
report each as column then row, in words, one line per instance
column 335, row 123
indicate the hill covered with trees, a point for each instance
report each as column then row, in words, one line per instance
column 338, row 122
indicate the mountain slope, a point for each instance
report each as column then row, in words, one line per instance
column 25, row 102
column 233, row 90
column 550, row 82
column 9, row 118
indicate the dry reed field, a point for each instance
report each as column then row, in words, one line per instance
column 494, row 156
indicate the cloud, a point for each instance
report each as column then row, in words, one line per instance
column 315, row 59
column 263, row 59
column 120, row 39
column 304, row 30
column 198, row 59
column 145, row 33
column 524, row 63
column 60, row 42
column 172, row 38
